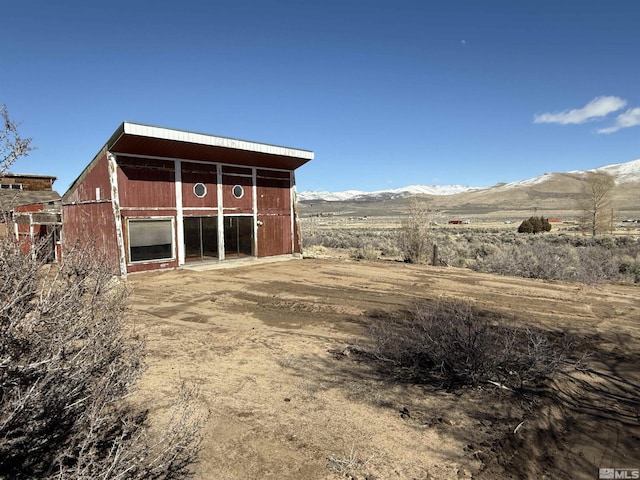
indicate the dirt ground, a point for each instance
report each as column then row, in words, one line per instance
column 268, row 346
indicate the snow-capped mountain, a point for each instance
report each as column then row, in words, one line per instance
column 355, row 195
column 622, row 172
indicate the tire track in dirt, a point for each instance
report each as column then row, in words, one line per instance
column 258, row 341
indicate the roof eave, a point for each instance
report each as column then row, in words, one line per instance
column 129, row 128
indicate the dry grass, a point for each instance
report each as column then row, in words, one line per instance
column 273, row 352
column 350, row 465
column 552, row 256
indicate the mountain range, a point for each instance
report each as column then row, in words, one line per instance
column 552, row 194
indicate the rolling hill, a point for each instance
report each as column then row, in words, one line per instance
column 550, row 194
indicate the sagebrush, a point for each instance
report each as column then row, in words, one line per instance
column 68, row 368
column 552, row 256
column 451, row 343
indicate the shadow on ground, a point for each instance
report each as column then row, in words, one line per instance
column 585, row 418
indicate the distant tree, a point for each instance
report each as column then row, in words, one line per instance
column 413, row 235
column 535, row 225
column 546, row 226
column 595, row 202
column 525, row 227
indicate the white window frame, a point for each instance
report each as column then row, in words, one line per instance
column 155, row 260
column 203, row 186
column 233, row 191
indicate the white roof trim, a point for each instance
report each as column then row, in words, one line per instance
column 202, row 139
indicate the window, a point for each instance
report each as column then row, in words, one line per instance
column 150, row 239
column 238, row 191
column 200, row 190
column 200, row 238
column 11, row 186
column 238, row 236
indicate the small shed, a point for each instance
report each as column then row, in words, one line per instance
column 156, row 198
column 31, row 208
column 26, row 182
column 25, row 189
column 37, row 227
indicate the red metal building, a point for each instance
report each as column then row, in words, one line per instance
column 160, row 198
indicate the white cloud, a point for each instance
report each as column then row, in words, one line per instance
column 630, row 118
column 598, row 107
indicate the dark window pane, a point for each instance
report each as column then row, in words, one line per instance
column 150, row 240
column 238, row 191
column 210, row 237
column 238, row 236
column 200, row 238
column 200, row 190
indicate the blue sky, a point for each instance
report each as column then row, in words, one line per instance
column 386, row 93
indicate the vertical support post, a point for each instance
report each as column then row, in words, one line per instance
column 254, row 208
column 115, row 205
column 32, row 246
column 179, row 212
column 220, row 212
column 293, row 210
column 295, row 224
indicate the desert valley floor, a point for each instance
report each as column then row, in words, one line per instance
column 267, row 346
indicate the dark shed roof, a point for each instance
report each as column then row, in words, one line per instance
column 9, row 199
column 146, row 140
column 138, row 139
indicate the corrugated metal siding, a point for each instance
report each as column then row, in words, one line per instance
column 145, row 267
column 97, row 177
column 273, row 190
column 146, row 212
column 201, row 212
column 91, row 226
column 274, row 196
column 238, row 170
column 274, row 235
column 35, row 183
column 34, row 207
column 194, row 173
column 146, row 183
column 244, row 204
column 284, row 175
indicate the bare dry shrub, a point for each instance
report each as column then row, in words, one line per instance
column 364, row 252
column 629, row 267
column 551, row 257
column 596, row 264
column 347, row 465
column 68, row 365
column 555, row 261
column 539, row 260
column 12, row 144
column 452, row 343
column 413, row 236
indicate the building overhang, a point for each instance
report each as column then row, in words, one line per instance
column 145, row 140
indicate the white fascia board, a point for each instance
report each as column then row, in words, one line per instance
column 212, row 140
